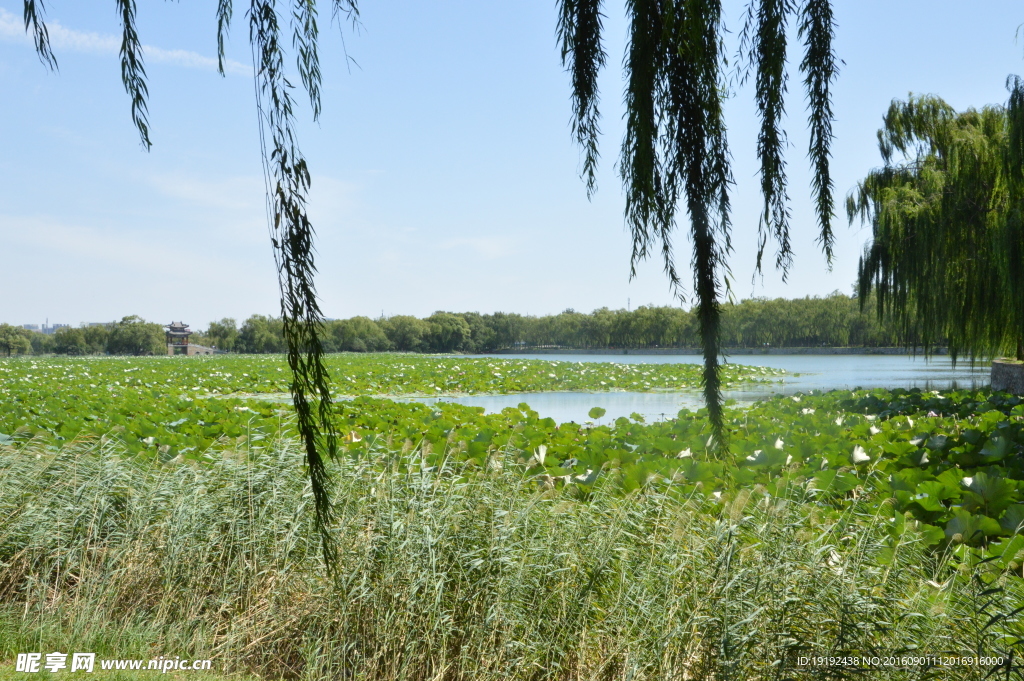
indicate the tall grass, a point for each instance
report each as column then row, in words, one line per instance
column 453, row 577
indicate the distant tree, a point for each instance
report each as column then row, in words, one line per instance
column 260, row 335
column 507, row 328
column 223, row 334
column 96, row 338
column 358, row 334
column 566, row 328
column 14, row 340
column 406, row 334
column 481, row 335
column 42, row 343
column 947, row 220
column 135, row 336
column 448, row 332
column 70, row 341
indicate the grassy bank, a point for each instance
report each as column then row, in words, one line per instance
column 480, row 576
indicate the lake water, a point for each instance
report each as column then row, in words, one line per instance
column 806, row 372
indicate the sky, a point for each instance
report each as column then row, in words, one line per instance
column 444, row 174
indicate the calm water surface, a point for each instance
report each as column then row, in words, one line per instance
column 806, row 372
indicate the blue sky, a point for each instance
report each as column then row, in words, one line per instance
column 444, row 174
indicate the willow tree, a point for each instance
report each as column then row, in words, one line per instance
column 674, row 156
column 947, row 250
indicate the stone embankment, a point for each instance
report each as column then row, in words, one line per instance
column 1008, row 375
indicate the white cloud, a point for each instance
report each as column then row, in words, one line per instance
column 488, row 248
column 75, row 245
column 62, row 38
column 332, row 202
column 232, row 208
column 236, row 194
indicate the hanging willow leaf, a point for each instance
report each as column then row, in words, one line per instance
column 288, row 181
column 579, row 31
column 766, row 28
column 34, row 24
column 133, row 73
column 132, row 70
column 945, row 215
column 305, row 35
column 817, row 28
column 674, row 151
column 224, row 12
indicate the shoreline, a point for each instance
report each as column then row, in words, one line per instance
column 725, row 351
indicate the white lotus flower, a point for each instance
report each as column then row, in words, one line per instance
column 587, row 478
column 874, row 431
column 778, row 443
column 685, row 454
column 859, row 455
column 967, row 482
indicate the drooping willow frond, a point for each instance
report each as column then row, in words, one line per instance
column 766, row 28
column 817, row 28
column 288, row 182
column 34, row 24
column 698, row 170
column 674, row 151
column 579, row 32
column 224, row 12
column 945, row 214
column 133, row 73
column 305, row 34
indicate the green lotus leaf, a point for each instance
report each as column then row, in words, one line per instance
column 968, row 528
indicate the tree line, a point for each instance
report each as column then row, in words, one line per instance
column 833, row 321
column 130, row 336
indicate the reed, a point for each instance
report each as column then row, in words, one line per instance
column 444, row 576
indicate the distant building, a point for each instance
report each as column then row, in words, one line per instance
column 178, row 334
column 45, row 328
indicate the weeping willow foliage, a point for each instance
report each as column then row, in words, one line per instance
column 947, row 250
column 675, row 153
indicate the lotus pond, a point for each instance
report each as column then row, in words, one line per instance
column 947, row 465
column 183, row 405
